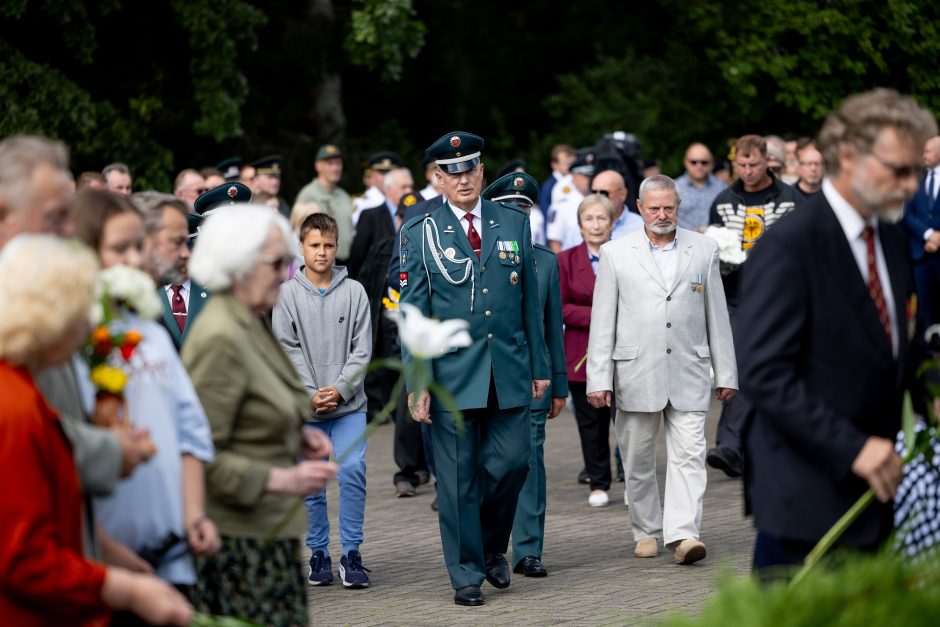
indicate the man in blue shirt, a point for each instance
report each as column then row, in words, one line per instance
column 697, row 187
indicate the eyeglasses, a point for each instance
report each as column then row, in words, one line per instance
column 899, row 171
column 277, row 263
column 700, row 162
column 603, row 192
column 202, row 190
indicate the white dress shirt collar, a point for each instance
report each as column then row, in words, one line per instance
column 477, row 215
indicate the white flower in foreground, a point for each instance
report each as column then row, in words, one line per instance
column 426, row 338
column 729, row 245
column 133, row 288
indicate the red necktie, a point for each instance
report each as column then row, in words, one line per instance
column 179, row 307
column 874, row 282
column 473, row 236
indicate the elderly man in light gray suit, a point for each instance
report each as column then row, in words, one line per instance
column 659, row 322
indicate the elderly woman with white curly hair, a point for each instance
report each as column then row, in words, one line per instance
column 46, row 288
column 256, row 407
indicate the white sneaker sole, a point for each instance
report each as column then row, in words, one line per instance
column 347, row 584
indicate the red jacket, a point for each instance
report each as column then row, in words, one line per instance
column 44, row 579
column 577, row 296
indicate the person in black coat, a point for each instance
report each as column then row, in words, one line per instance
column 378, row 223
column 827, row 354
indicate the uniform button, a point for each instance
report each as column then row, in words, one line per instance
column 668, row 325
column 489, row 336
column 669, row 298
column 488, row 313
column 486, row 291
column 668, row 351
column 483, row 269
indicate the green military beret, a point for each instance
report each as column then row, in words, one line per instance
column 224, row 194
column 456, row 152
column 517, row 188
column 328, row 151
column 231, row 168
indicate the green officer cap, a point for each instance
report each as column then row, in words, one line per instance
column 456, row 152
column 193, row 221
column 517, row 188
column 223, row 195
column 230, row 168
column 329, row 151
column 384, row 161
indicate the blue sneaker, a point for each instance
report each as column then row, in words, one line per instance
column 321, row 569
column 352, row 572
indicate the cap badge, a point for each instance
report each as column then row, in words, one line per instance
column 518, row 182
column 457, row 154
column 455, row 141
column 330, row 149
column 232, row 192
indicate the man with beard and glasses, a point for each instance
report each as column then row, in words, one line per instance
column 811, row 169
column 166, row 254
column 659, row 322
column 830, row 318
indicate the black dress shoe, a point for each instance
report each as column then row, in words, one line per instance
column 468, row 595
column 497, row 570
column 584, row 477
column 724, row 459
column 434, row 504
column 530, row 566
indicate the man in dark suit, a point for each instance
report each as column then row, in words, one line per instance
column 922, row 223
column 472, row 259
column 378, row 223
column 827, row 354
column 166, row 255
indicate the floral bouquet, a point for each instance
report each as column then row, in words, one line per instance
column 118, row 289
column 730, row 253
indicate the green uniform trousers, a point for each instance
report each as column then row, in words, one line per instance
column 528, row 527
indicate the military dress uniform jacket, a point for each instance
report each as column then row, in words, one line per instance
column 197, row 298
column 505, row 317
column 546, row 267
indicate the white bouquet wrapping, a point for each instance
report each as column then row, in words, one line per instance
column 730, row 253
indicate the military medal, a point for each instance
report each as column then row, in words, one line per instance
column 502, row 255
column 514, row 278
column 516, row 259
column 697, row 285
column 450, row 253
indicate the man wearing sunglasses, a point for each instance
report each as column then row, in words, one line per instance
column 189, row 186
column 610, row 183
column 697, row 187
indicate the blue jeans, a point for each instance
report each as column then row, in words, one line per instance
column 343, row 432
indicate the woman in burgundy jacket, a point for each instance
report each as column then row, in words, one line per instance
column 578, row 268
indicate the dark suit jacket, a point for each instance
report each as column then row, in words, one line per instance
column 375, row 225
column 919, row 215
column 818, row 368
column 197, row 298
column 577, row 295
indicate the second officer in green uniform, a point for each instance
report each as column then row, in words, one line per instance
column 472, row 259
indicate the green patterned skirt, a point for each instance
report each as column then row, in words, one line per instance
column 255, row 581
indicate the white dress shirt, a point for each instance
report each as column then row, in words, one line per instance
column 852, row 225
column 665, row 258
column 477, row 218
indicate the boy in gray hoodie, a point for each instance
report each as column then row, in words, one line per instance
column 322, row 320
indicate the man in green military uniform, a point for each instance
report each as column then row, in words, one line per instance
column 472, row 259
column 528, row 528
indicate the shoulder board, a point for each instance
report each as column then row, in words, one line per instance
column 413, row 221
column 507, row 205
column 544, row 248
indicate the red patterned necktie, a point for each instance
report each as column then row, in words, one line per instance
column 179, row 307
column 475, row 243
column 874, row 282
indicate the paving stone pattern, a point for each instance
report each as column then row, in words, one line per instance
column 594, row 579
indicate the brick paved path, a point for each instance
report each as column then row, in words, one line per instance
column 593, row 577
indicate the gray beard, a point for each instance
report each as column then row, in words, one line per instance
column 662, row 230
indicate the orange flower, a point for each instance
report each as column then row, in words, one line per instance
column 132, row 338
column 101, row 335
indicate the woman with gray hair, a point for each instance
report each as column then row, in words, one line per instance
column 46, row 291
column 256, row 407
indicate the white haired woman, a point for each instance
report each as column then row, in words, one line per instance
column 46, row 289
column 256, row 406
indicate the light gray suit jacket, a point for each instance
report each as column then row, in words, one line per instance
column 655, row 342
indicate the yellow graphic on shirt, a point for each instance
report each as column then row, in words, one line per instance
column 753, row 227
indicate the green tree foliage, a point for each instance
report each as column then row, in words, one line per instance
column 808, row 55
column 382, row 33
